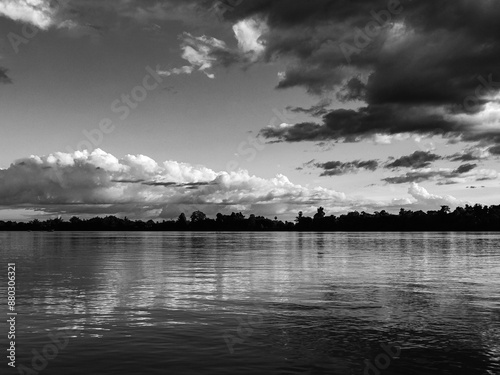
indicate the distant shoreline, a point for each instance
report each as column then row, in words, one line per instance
column 475, row 218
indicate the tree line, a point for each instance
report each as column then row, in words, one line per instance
column 468, row 218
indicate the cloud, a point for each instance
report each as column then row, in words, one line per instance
column 464, row 168
column 419, row 163
column 337, row 168
column 419, row 159
column 39, row 13
column 205, row 53
column 176, row 71
column 78, row 17
column 420, row 199
column 350, row 125
column 428, row 68
column 316, row 110
column 200, row 52
column 353, row 90
column 98, row 180
column 445, row 176
column 471, row 154
column 423, row 198
column 98, row 183
column 94, row 17
column 248, row 32
column 420, row 176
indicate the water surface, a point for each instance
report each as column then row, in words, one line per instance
column 250, row 303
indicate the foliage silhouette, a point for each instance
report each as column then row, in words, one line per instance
column 468, row 218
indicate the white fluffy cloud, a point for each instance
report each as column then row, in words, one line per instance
column 98, row 183
column 421, row 199
column 424, row 198
column 199, row 52
column 203, row 53
column 248, row 32
column 36, row 12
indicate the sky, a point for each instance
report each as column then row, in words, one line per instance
column 150, row 108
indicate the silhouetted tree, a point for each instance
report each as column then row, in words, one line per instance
column 197, row 216
column 445, row 209
column 320, row 214
column 181, row 221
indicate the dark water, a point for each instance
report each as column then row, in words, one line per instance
column 254, row 303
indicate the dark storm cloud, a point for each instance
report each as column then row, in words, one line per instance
column 354, row 89
column 288, row 13
column 425, row 175
column 337, row 168
column 355, row 125
column 419, row 159
column 439, row 63
column 431, row 61
column 307, row 34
